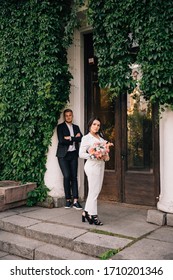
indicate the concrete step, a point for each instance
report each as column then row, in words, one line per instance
column 74, row 240
column 54, row 252
column 7, row 256
column 18, row 245
column 15, row 246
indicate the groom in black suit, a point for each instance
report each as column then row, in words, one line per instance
column 69, row 137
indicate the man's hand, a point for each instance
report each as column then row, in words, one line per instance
column 78, row 135
column 67, row 137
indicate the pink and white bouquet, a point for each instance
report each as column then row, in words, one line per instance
column 100, row 151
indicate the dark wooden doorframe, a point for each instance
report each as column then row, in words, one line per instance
column 118, row 183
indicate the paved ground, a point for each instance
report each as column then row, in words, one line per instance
column 125, row 229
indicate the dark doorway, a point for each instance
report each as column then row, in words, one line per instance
column 132, row 174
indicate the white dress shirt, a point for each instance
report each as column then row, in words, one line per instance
column 71, row 147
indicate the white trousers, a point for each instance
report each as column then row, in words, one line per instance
column 94, row 170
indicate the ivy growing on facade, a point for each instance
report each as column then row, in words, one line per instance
column 120, row 25
column 35, row 77
column 34, row 81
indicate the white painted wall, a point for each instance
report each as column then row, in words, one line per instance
column 165, row 202
column 53, row 176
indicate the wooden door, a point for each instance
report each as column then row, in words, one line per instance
column 98, row 103
column 139, row 151
column 132, row 174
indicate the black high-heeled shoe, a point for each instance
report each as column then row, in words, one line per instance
column 87, row 217
column 96, row 220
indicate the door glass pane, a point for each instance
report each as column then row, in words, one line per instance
column 139, row 132
column 104, row 109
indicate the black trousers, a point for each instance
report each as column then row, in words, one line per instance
column 69, row 168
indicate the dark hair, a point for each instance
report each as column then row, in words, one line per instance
column 91, row 122
column 67, row 111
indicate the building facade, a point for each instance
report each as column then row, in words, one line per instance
column 140, row 170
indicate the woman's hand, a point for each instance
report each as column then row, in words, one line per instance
column 110, row 144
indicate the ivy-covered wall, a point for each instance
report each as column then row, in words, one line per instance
column 150, row 25
column 34, row 82
column 34, row 75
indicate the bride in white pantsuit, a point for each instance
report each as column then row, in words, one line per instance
column 94, row 170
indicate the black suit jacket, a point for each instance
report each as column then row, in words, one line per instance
column 63, row 144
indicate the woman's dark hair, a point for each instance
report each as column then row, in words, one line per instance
column 91, row 122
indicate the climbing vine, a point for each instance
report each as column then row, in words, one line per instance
column 34, row 81
column 119, row 26
column 34, row 73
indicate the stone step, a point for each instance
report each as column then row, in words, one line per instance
column 15, row 246
column 7, row 256
column 72, row 238
column 54, row 252
column 18, row 245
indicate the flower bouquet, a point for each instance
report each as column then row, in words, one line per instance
column 100, row 151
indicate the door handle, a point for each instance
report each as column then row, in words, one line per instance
column 123, row 155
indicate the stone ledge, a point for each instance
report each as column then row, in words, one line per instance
column 159, row 218
column 156, row 217
column 14, row 194
column 58, row 201
column 48, row 203
column 170, row 220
